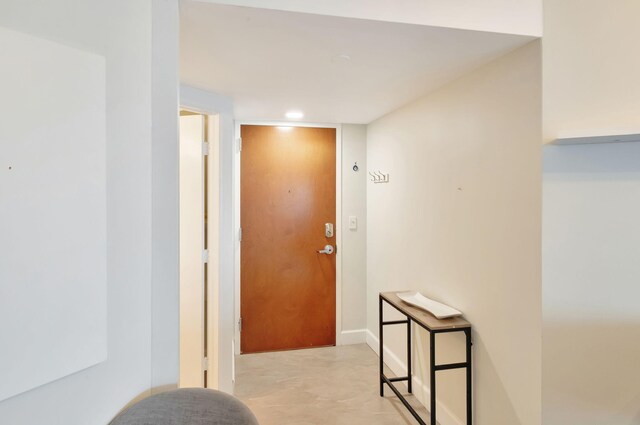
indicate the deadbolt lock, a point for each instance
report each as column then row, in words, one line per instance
column 328, row 230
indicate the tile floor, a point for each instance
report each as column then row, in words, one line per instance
column 328, row 386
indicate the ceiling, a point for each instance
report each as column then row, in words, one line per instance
column 336, row 70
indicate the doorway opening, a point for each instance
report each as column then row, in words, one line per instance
column 288, row 286
column 199, row 227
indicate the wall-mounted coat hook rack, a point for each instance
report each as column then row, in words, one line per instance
column 379, row 177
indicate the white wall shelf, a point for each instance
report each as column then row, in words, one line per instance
column 587, row 140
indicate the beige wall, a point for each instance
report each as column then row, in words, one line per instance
column 460, row 221
column 591, row 68
column 591, row 260
column 354, row 242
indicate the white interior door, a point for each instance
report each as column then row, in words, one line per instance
column 191, row 251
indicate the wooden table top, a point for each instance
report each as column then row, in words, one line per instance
column 423, row 317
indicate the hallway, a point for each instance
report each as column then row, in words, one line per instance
column 333, row 385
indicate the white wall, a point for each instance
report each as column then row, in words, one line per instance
column 211, row 103
column 591, row 333
column 354, row 242
column 59, row 160
column 460, row 221
column 591, row 270
column 503, row 16
column 164, row 168
column 121, row 31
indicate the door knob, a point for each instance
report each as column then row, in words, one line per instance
column 328, row 249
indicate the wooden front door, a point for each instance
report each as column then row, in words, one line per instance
column 288, row 194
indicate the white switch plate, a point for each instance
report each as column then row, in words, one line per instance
column 353, row 222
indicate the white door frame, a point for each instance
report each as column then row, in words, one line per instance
column 213, row 231
column 338, row 224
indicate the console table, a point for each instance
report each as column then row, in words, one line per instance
column 434, row 326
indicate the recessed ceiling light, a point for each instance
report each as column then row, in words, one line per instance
column 294, row 115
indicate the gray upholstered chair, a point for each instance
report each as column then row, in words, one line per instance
column 187, row 406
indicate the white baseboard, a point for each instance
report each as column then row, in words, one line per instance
column 399, row 368
column 356, row 336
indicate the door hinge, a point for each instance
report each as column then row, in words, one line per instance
column 240, row 234
column 205, row 363
column 240, row 324
column 205, row 148
column 239, row 144
column 205, row 255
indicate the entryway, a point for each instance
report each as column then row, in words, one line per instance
column 332, row 385
column 288, row 237
column 199, row 233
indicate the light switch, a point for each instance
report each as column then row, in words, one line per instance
column 353, row 222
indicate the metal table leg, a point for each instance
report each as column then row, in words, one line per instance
column 409, row 375
column 381, row 349
column 432, row 375
column 467, row 333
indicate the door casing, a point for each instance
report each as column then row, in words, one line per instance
column 338, row 224
column 212, row 186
